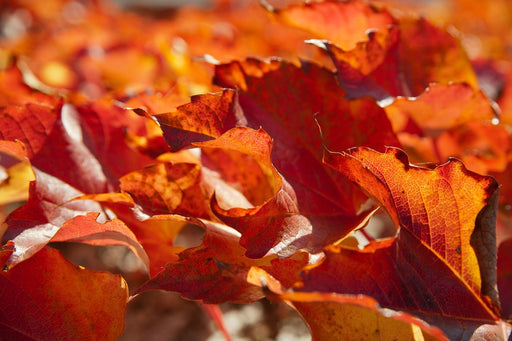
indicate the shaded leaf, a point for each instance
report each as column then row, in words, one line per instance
column 47, row 297
column 505, row 277
column 86, row 229
column 32, row 225
column 217, row 263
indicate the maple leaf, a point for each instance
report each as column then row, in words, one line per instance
column 323, row 199
column 444, row 253
column 220, row 262
column 47, row 297
column 70, row 151
column 376, row 60
column 451, row 120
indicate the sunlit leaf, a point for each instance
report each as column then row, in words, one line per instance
column 446, row 232
column 334, row 316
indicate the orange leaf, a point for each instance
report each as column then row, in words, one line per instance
column 166, row 188
column 445, row 251
column 439, row 207
column 46, row 297
column 341, row 317
column 217, row 263
column 324, row 18
column 86, row 229
column 442, row 107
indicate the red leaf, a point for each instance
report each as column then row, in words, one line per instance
column 156, row 234
column 447, row 233
column 430, row 54
column 167, row 188
column 505, row 278
column 14, row 91
column 31, row 124
column 219, row 262
column 86, row 229
column 205, row 117
column 324, row 198
column 31, row 226
column 324, row 18
column 373, row 59
column 48, row 298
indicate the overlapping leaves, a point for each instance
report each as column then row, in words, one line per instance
column 289, row 159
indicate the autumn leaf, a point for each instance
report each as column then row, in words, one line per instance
column 16, row 174
column 446, row 232
column 334, row 316
column 166, row 188
column 308, row 92
column 47, row 297
column 49, row 212
column 157, row 233
column 219, row 262
column 505, row 277
column 442, row 107
column 323, row 19
column 376, row 60
column 86, row 229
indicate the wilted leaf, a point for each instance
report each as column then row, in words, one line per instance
column 46, row 297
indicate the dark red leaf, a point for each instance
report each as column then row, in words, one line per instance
column 505, row 278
